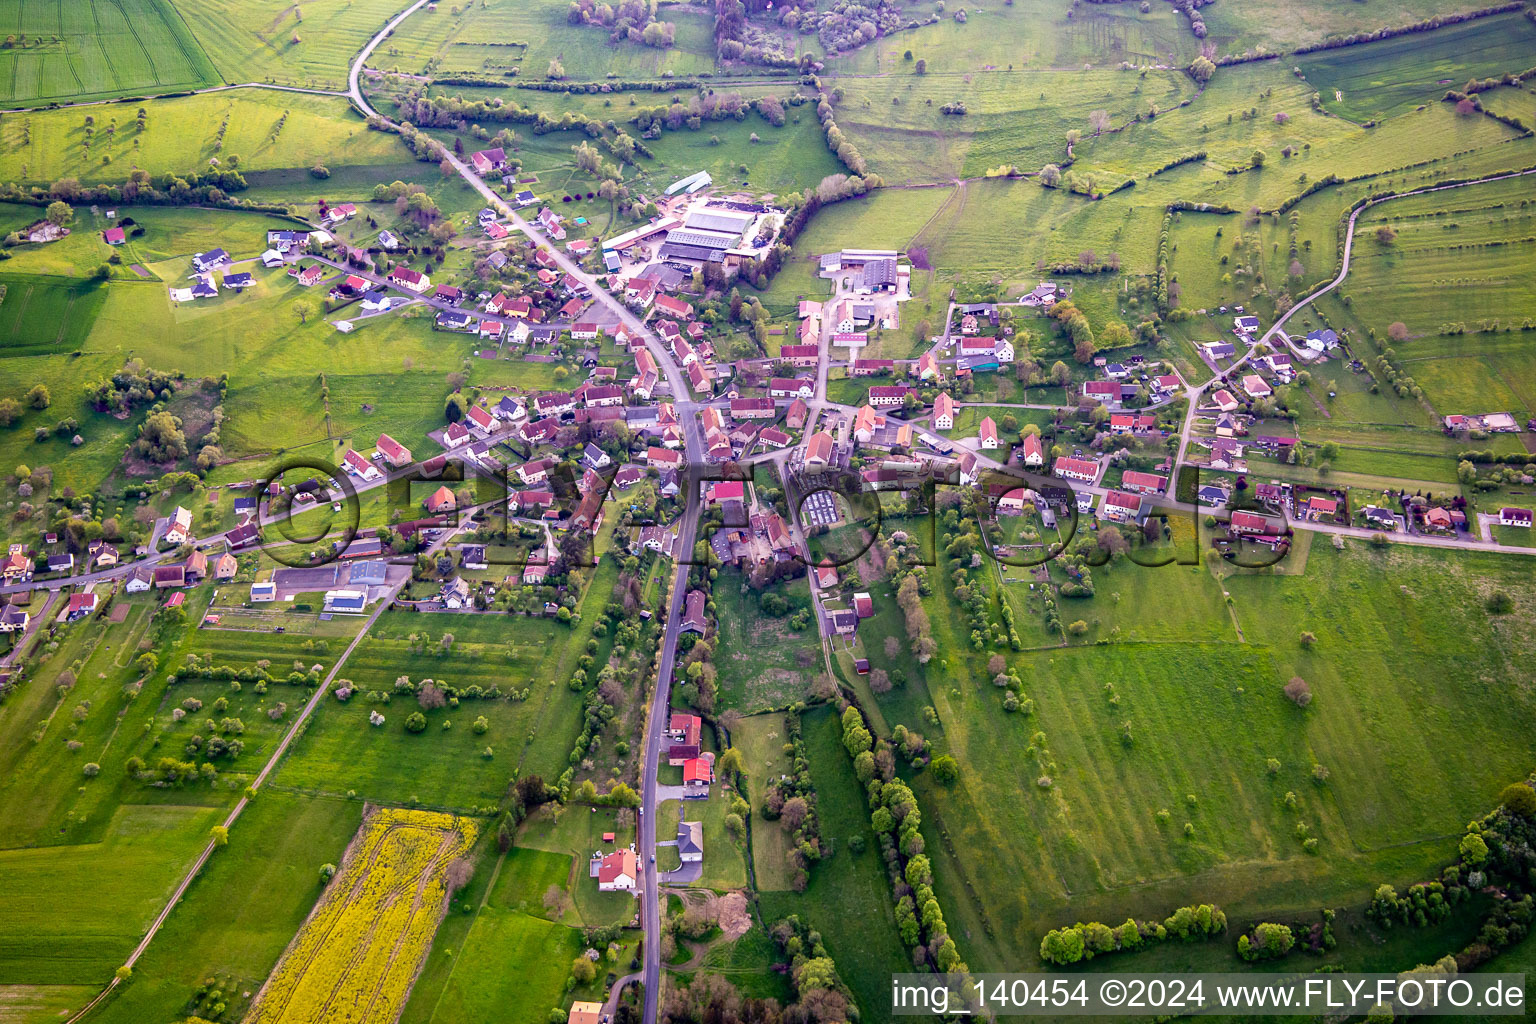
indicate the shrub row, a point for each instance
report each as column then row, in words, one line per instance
column 1062, row 946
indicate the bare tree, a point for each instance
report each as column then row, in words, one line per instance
column 556, row 902
column 1298, row 691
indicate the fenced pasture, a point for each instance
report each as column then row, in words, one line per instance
column 1030, row 36
column 65, row 926
column 448, row 768
column 356, row 956
column 1379, row 619
column 1020, row 118
column 66, row 51
column 761, row 739
column 1436, row 274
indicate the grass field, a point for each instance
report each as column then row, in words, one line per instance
column 67, row 928
column 357, row 954
column 491, row 38
column 243, row 909
column 762, row 663
column 72, row 50
column 276, row 41
column 761, row 740
column 1284, row 24
column 848, row 899
column 341, row 751
column 1392, row 75
column 186, row 135
column 1183, row 686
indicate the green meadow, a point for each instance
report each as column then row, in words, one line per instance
column 242, row 129
column 848, row 899
column 1189, row 696
column 1387, row 77
column 72, row 50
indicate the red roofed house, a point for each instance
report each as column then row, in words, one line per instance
column 1106, row 391
column 1128, row 423
column 1319, row 508
column 80, row 605
column 488, row 160
column 988, row 432
column 883, row 396
column 795, row 415
column 1256, row 386
column 818, row 451
column 1034, row 451
column 670, row 306
column 1224, row 400
column 693, row 613
column 697, row 775
column 863, row 605
column 1143, row 483
column 1251, row 523
column 752, row 408
column 1120, row 506
column 412, row 280
column 455, row 435
column 943, row 412
column 618, row 872
column 1069, row 468
column 663, row 458
column 1515, row 517
column 790, row 387
column 441, row 500
column 395, row 453
column 481, row 419
column 801, row 355
column 114, row 236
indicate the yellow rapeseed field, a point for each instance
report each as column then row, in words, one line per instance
column 354, row 960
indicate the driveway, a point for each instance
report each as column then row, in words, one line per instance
column 689, row 872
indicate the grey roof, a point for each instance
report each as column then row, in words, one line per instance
column 879, row 272
column 690, row 837
column 665, row 277
column 716, row 220
column 701, row 254
column 703, row 239
column 369, row 572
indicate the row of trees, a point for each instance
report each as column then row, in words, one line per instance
column 896, row 820
column 1069, row 945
